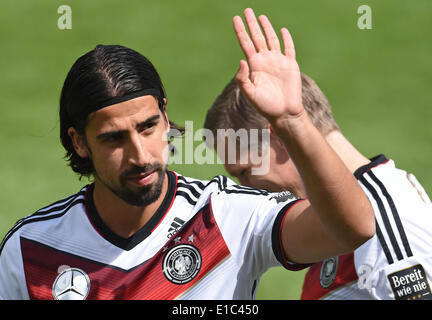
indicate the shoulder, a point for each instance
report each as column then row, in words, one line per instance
column 193, row 190
column 382, row 179
column 223, row 189
column 244, row 200
column 392, row 189
column 45, row 216
column 403, row 212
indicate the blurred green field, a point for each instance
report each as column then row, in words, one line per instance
column 378, row 81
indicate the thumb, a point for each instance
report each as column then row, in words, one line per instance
column 243, row 81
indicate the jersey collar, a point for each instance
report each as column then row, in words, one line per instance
column 141, row 234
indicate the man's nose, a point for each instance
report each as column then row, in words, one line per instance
column 138, row 154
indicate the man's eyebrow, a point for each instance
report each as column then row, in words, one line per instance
column 144, row 123
column 150, row 120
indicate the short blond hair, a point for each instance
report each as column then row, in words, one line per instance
column 231, row 110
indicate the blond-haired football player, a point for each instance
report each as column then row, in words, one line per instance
column 397, row 262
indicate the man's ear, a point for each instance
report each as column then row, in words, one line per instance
column 277, row 144
column 78, row 142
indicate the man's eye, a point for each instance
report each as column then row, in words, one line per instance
column 113, row 138
column 148, row 127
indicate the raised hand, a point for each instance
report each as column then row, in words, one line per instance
column 270, row 78
column 337, row 216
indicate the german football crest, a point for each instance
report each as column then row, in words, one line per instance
column 182, row 263
column 328, row 272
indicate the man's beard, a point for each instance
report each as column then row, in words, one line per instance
column 145, row 194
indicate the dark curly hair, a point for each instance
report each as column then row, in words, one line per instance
column 106, row 72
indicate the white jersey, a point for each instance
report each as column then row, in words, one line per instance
column 208, row 240
column 397, row 262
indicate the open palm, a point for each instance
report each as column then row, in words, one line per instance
column 270, row 79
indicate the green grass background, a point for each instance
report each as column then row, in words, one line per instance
column 378, row 81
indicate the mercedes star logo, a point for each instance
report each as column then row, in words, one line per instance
column 71, row 284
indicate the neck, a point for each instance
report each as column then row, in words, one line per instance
column 122, row 218
column 351, row 157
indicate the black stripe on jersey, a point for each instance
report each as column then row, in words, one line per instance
column 35, row 218
column 197, row 182
column 245, row 188
column 57, row 208
column 220, row 180
column 237, row 191
column 224, row 181
column 198, row 188
column 62, row 202
column 385, row 219
column 186, row 196
column 195, row 188
column 192, row 190
column 52, row 208
column 383, row 243
column 395, row 213
column 375, row 161
column 277, row 242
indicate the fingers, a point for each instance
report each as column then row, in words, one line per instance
column 243, row 80
column 257, row 37
column 243, row 37
column 270, row 34
column 257, row 40
column 288, row 43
